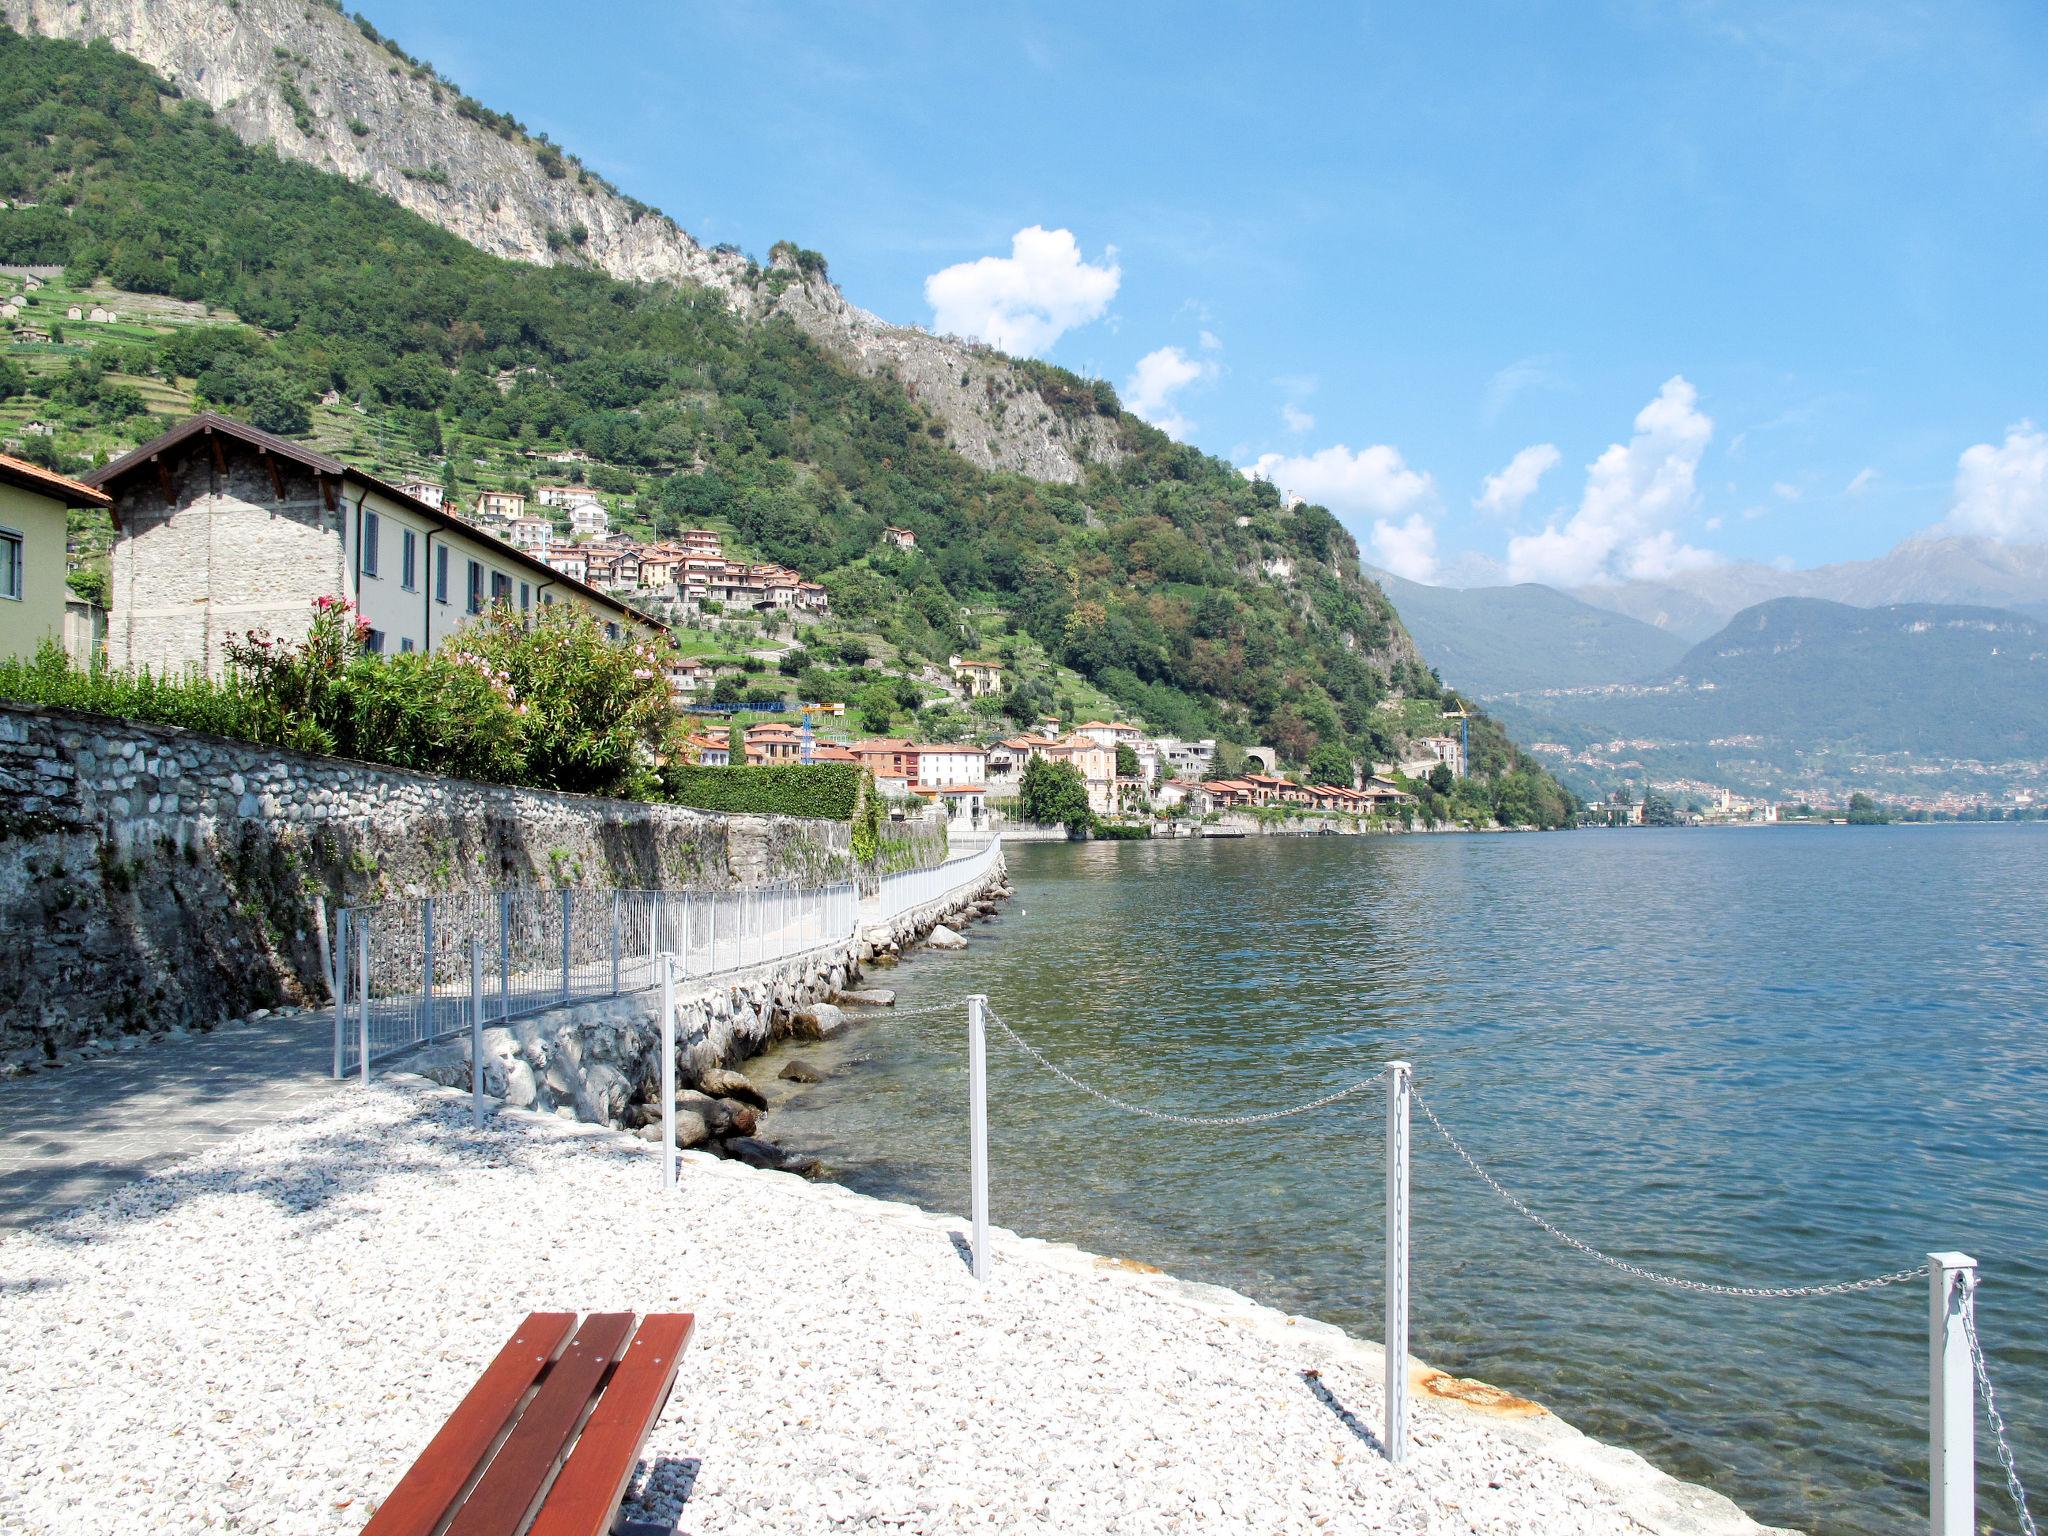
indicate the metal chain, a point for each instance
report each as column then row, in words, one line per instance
column 1675, row 1282
column 1159, row 1114
column 2012, row 1471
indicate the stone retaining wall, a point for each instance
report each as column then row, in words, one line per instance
column 151, row 876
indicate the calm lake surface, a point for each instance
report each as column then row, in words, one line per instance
column 1765, row 1056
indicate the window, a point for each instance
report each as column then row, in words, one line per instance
column 409, row 562
column 525, row 597
column 476, row 587
column 441, row 574
column 10, row 564
column 547, row 599
column 405, row 645
column 371, row 527
column 374, row 642
column 611, row 631
column 501, row 587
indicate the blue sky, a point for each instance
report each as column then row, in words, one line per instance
column 1692, row 281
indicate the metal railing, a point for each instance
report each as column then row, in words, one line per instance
column 403, row 969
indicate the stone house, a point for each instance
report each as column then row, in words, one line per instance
column 75, row 312
column 33, row 506
column 221, row 529
column 10, row 310
column 902, row 538
column 1425, row 752
column 102, row 316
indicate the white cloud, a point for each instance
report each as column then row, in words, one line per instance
column 1866, row 477
column 1784, row 490
column 1296, row 418
column 2002, row 492
column 1502, row 495
column 1161, row 374
column 1374, row 483
column 1211, row 342
column 1517, row 378
column 1635, row 495
column 1027, row 300
column 1407, row 548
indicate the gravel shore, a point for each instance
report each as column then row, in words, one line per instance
column 262, row 1338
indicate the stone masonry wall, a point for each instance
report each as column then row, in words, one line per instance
column 152, row 876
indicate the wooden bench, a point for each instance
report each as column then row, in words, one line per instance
column 546, row 1441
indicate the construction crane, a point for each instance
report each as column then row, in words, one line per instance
column 1464, row 718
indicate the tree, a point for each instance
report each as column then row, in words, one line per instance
column 1441, row 778
column 1126, row 761
column 735, row 743
column 1866, row 812
column 1054, row 794
column 1658, row 811
column 1331, row 764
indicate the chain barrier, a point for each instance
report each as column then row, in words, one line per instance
column 1159, row 1114
column 1674, row 1282
column 2005, row 1460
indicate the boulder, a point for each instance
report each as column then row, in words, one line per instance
column 691, row 1131
column 603, row 1094
column 882, row 958
column 797, row 1070
column 756, row 1153
column 943, row 937
column 722, row 1117
column 869, row 997
column 820, row 1021
column 723, row 1083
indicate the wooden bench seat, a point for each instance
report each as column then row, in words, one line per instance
column 546, row 1441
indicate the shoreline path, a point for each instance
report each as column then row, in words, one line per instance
column 262, row 1335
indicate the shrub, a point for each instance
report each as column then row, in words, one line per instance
column 830, row 791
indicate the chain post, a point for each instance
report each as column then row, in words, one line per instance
column 426, row 1030
column 568, row 898
column 476, row 1031
column 1396, row 1341
column 363, row 999
column 504, row 954
column 1951, row 1399
column 340, row 989
column 666, row 963
column 977, row 1125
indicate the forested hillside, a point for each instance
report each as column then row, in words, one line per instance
column 1188, row 594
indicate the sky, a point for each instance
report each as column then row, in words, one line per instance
column 1571, row 292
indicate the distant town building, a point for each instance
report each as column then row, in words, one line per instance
column 588, row 517
column 427, row 491
column 500, row 504
column 1425, row 752
column 535, row 535
column 902, row 538
column 564, row 495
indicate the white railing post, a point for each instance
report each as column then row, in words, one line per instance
column 616, row 936
column 1396, row 1344
column 666, row 962
column 977, row 1125
column 476, row 1032
column 363, row 1000
column 1951, row 1399
column 568, row 897
column 340, row 987
column 504, row 954
column 425, row 1030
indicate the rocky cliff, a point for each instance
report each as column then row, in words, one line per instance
column 304, row 78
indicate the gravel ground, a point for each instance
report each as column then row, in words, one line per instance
column 262, row 1338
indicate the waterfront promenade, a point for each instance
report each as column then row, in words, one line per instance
column 302, row 1304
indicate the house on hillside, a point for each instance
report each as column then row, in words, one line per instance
column 570, row 561
column 1095, row 763
column 712, row 751
column 979, row 678
column 701, row 541
column 535, row 535
column 902, row 538
column 34, row 503
column 496, row 504
column 889, row 757
column 773, row 742
column 563, row 496
column 75, row 312
column 940, row 767
column 221, row 528
column 1425, row 752
column 588, row 517
column 426, row 492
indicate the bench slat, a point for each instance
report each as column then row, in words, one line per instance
column 458, row 1450
column 586, row 1496
column 504, row 1499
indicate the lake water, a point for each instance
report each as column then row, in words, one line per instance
column 1763, row 1056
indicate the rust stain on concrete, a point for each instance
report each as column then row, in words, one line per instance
column 1478, row 1394
column 1130, row 1266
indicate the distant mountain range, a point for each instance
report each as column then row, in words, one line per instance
column 1799, row 697
column 1921, row 570
column 1495, row 640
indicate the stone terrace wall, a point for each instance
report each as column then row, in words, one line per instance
column 151, row 876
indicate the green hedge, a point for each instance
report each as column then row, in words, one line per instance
column 828, row 791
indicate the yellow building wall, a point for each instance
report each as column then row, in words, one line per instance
column 40, row 614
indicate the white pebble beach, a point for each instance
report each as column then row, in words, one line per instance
column 263, row 1338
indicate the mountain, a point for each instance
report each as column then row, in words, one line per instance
column 331, row 91
column 1493, row 640
column 1806, row 696
column 312, row 305
column 1926, row 569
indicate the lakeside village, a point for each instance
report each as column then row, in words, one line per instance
column 222, row 529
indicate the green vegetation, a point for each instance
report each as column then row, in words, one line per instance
column 1139, row 586
column 1054, row 795
column 1866, row 812
column 831, row 791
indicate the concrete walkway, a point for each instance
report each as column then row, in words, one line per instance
column 70, row 1134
